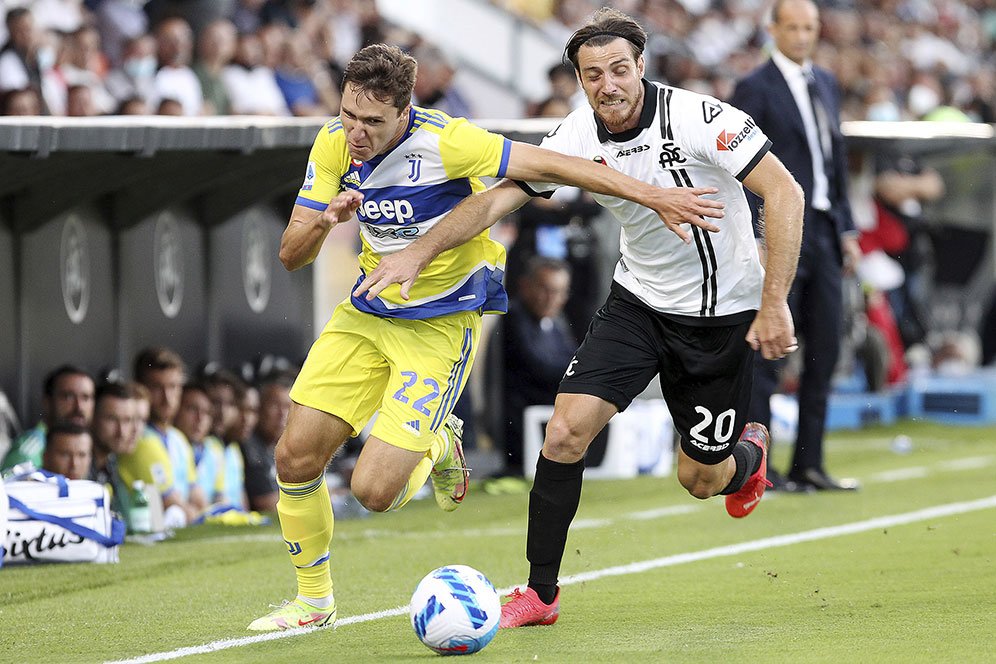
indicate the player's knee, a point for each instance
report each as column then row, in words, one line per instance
column 699, row 484
column 371, row 496
column 297, row 462
column 565, row 441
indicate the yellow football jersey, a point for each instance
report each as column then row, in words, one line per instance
column 406, row 191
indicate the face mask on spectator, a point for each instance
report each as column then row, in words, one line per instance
column 45, row 58
column 138, row 68
column 883, row 111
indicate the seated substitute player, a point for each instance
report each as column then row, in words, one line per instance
column 400, row 168
column 682, row 311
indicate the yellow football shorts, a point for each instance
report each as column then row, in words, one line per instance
column 411, row 371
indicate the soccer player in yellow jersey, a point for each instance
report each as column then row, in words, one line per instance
column 399, row 169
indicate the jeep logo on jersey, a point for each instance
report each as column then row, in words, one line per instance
column 391, row 210
column 729, row 142
column 670, row 154
column 628, row 151
column 396, row 233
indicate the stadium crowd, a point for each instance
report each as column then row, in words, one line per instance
column 895, row 59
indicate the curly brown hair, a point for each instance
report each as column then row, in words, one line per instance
column 384, row 72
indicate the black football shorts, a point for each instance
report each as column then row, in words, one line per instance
column 705, row 371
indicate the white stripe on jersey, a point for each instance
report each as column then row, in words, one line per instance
column 693, row 140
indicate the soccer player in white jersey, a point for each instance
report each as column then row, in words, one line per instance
column 400, row 169
column 690, row 305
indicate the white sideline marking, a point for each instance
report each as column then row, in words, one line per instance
column 900, row 474
column 939, row 511
column 967, row 463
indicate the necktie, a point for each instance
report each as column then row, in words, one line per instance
column 820, row 115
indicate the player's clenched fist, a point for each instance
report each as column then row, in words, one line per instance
column 342, row 207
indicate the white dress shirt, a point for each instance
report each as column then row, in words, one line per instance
column 795, row 76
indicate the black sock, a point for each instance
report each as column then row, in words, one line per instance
column 748, row 459
column 553, row 502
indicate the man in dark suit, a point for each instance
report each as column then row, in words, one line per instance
column 797, row 106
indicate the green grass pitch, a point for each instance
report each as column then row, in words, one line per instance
column 816, row 578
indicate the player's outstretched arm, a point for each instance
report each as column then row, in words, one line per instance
column 773, row 332
column 465, row 221
column 307, row 229
column 675, row 206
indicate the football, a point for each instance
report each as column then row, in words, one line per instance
column 455, row 610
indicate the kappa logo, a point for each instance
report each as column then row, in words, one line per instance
column 728, row 142
column 710, row 111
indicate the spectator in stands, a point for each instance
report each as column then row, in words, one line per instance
column 536, row 346
column 80, row 103
column 251, row 86
column 114, row 432
column 119, row 22
column 133, row 106
column 225, row 390
column 215, row 50
column 25, row 101
column 162, row 372
column 797, row 106
column 175, row 79
column 83, row 64
column 246, row 15
column 434, row 86
column 136, row 75
column 67, row 399
column 304, row 80
column 68, row 451
column 195, row 420
column 261, row 473
column 19, row 67
column 170, row 107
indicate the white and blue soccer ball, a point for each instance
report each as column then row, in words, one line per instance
column 455, row 610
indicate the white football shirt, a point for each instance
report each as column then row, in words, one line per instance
column 683, row 139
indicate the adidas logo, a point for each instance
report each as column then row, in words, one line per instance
column 414, row 426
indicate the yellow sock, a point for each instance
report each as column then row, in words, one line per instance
column 437, row 450
column 306, row 522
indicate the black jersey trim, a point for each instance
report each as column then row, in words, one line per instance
column 755, row 161
column 646, row 119
column 707, row 255
column 664, row 104
column 532, row 192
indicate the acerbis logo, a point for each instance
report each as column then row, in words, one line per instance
column 400, row 210
column 729, row 142
column 627, row 152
